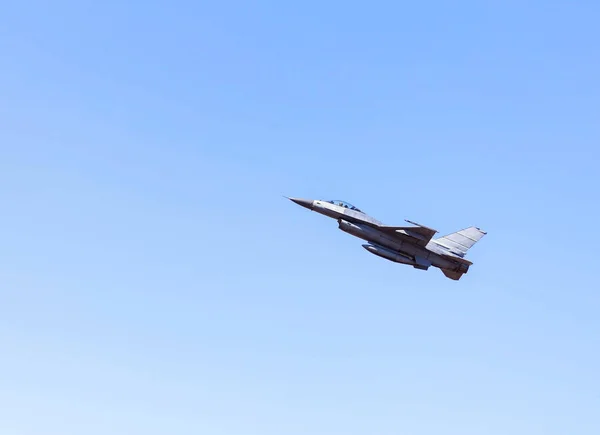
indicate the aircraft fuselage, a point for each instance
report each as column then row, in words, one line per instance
column 399, row 248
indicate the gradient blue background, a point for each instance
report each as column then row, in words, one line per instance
column 153, row 280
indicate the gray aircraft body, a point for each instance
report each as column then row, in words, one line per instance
column 411, row 245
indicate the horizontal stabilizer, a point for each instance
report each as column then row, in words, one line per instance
column 457, row 259
column 452, row 274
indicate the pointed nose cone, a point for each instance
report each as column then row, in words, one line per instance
column 307, row 203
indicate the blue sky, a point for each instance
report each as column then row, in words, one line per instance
column 155, row 281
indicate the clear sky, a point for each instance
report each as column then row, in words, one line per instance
column 153, row 279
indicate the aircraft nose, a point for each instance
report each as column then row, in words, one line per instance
column 307, row 203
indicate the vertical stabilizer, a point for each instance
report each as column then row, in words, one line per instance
column 461, row 241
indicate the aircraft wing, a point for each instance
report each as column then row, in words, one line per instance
column 419, row 234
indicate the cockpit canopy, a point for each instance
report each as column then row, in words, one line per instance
column 343, row 204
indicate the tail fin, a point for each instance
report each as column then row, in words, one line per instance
column 461, row 241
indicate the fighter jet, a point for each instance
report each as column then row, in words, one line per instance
column 410, row 245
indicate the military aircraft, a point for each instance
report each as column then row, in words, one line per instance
column 411, row 245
